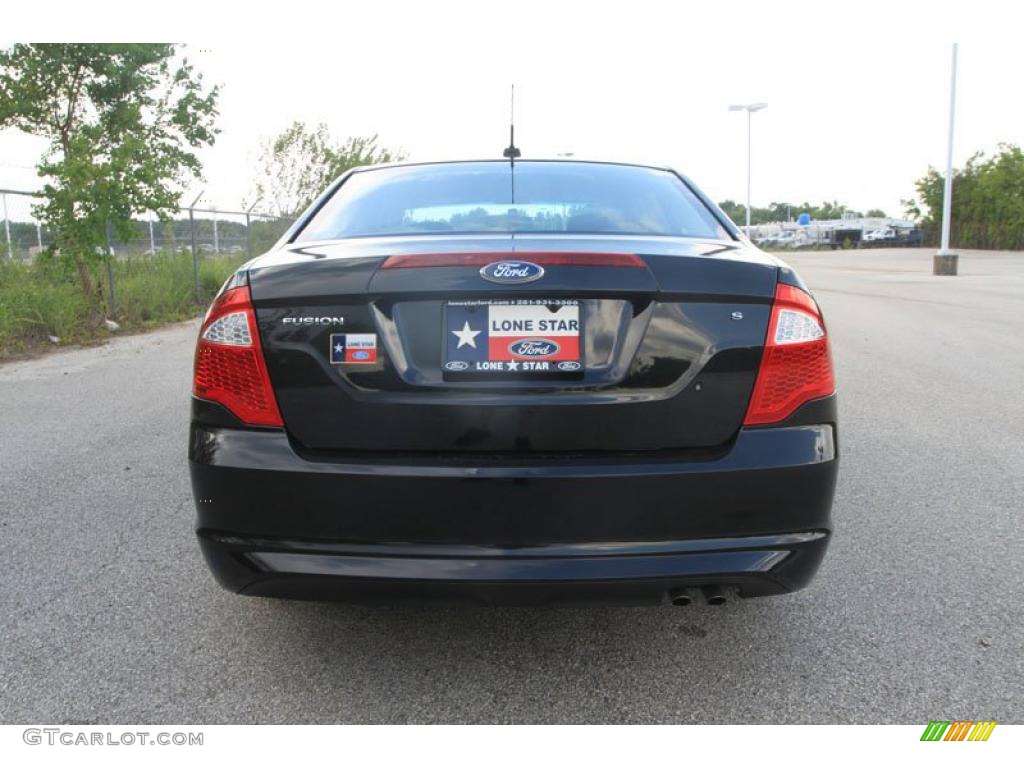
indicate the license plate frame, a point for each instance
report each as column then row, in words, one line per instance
column 504, row 339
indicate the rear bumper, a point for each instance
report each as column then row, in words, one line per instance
column 754, row 517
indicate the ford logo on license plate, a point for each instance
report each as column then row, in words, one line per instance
column 512, row 272
column 533, row 348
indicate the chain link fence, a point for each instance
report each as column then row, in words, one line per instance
column 204, row 233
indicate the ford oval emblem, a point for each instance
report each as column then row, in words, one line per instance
column 456, row 365
column 569, row 365
column 533, row 348
column 512, row 272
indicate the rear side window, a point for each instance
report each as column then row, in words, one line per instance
column 494, row 197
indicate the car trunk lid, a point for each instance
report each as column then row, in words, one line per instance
column 365, row 355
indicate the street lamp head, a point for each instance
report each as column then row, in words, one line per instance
column 756, row 107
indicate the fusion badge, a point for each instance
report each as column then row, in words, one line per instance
column 357, row 348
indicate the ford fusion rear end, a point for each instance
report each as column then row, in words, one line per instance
column 547, row 382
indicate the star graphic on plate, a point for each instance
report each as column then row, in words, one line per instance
column 513, row 365
column 338, row 348
column 466, row 336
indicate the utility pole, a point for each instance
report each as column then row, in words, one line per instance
column 945, row 262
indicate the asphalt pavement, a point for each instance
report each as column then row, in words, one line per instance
column 107, row 612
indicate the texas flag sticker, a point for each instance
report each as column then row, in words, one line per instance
column 353, row 348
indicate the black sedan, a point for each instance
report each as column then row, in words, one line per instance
column 517, row 382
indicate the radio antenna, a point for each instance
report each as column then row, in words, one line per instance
column 512, row 151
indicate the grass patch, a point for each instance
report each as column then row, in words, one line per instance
column 39, row 299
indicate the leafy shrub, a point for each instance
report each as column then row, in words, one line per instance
column 40, row 299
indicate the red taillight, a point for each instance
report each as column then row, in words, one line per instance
column 543, row 258
column 796, row 365
column 229, row 365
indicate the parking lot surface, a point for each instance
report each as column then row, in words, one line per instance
column 107, row 613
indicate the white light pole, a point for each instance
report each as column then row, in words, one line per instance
column 749, row 109
column 7, row 227
column 945, row 261
column 216, row 240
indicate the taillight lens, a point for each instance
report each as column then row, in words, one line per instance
column 229, row 364
column 797, row 364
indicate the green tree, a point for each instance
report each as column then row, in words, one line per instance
column 829, row 210
column 737, row 212
column 782, row 212
column 988, row 201
column 301, row 162
column 876, row 213
column 124, row 122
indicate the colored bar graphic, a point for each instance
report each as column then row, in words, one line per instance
column 934, row 730
column 958, row 730
column 982, row 730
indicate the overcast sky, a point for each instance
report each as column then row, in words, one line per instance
column 858, row 94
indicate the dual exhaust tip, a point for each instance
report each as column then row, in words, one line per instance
column 712, row 595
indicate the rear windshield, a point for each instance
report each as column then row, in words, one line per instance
column 488, row 197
